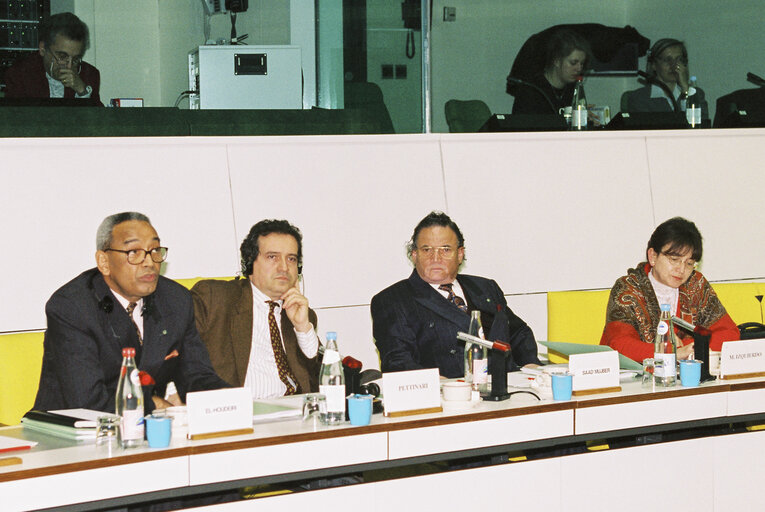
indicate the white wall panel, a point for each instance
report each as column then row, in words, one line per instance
column 356, row 200
column 544, row 212
column 714, row 178
column 55, row 192
column 353, row 325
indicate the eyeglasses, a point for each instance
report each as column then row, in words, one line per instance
column 447, row 252
column 137, row 256
column 687, row 264
column 671, row 61
column 64, row 59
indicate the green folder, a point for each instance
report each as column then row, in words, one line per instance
column 567, row 349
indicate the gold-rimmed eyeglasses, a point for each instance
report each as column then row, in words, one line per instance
column 137, row 256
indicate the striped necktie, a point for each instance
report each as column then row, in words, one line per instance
column 454, row 299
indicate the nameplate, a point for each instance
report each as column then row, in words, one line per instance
column 219, row 412
column 412, row 392
column 742, row 359
column 595, row 371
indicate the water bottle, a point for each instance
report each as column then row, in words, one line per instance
column 476, row 356
column 129, row 402
column 579, row 106
column 332, row 382
column 665, row 349
column 692, row 106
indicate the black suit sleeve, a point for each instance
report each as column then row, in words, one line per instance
column 520, row 336
column 394, row 337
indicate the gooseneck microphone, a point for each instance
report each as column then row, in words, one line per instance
column 755, row 79
column 524, row 83
column 651, row 80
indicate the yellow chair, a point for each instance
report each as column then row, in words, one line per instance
column 575, row 317
column 20, row 365
column 740, row 300
column 191, row 281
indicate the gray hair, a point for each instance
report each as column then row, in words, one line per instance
column 104, row 233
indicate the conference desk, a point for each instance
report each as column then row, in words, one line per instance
column 711, row 472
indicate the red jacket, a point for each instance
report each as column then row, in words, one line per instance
column 26, row 79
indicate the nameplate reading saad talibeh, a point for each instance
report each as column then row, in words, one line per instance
column 219, row 412
column 596, row 371
column 411, row 392
column 742, row 359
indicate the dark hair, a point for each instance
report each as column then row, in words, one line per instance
column 435, row 218
column 658, row 48
column 106, row 229
column 67, row 25
column 680, row 234
column 249, row 248
column 560, row 45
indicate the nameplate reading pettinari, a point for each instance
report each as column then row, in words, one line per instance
column 219, row 413
column 412, row 392
column 742, row 359
column 596, row 372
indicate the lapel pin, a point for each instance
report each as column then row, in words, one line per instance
column 164, row 331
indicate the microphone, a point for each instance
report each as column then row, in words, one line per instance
column 690, row 327
column 756, row 80
column 651, row 80
column 496, row 345
column 524, row 83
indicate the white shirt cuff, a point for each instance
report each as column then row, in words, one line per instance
column 308, row 342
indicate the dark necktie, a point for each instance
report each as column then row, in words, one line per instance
column 454, row 299
column 130, row 309
column 281, row 358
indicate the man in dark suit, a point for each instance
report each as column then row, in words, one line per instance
column 415, row 321
column 260, row 331
column 57, row 69
column 123, row 302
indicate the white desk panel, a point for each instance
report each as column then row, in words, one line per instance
column 738, row 468
column 714, row 178
column 665, row 476
column 355, row 199
column 56, row 192
column 286, row 458
column 649, row 412
column 93, row 484
column 543, row 212
column 478, row 433
column 532, row 485
column 746, row 401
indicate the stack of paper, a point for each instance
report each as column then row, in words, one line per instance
column 72, row 424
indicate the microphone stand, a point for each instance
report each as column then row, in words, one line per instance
column 755, row 79
column 651, row 80
column 524, row 83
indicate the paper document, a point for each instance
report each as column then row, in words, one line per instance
column 263, row 412
column 568, row 349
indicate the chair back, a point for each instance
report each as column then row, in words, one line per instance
column 466, row 116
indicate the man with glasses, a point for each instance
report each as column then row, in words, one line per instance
column 415, row 321
column 259, row 330
column 669, row 276
column 123, row 302
column 57, row 69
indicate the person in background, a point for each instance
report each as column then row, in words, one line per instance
column 566, row 57
column 669, row 276
column 260, row 332
column 56, row 70
column 667, row 64
column 415, row 321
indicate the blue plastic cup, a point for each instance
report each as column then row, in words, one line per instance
column 690, row 372
column 158, row 430
column 360, row 409
column 561, row 386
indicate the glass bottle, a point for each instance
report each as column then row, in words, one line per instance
column 692, row 106
column 332, row 382
column 665, row 349
column 476, row 356
column 579, row 106
column 129, row 402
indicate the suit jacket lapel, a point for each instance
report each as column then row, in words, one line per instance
column 241, row 329
column 115, row 321
column 156, row 342
column 477, row 297
column 425, row 294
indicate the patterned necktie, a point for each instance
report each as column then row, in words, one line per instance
column 457, row 301
column 285, row 374
column 131, row 307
